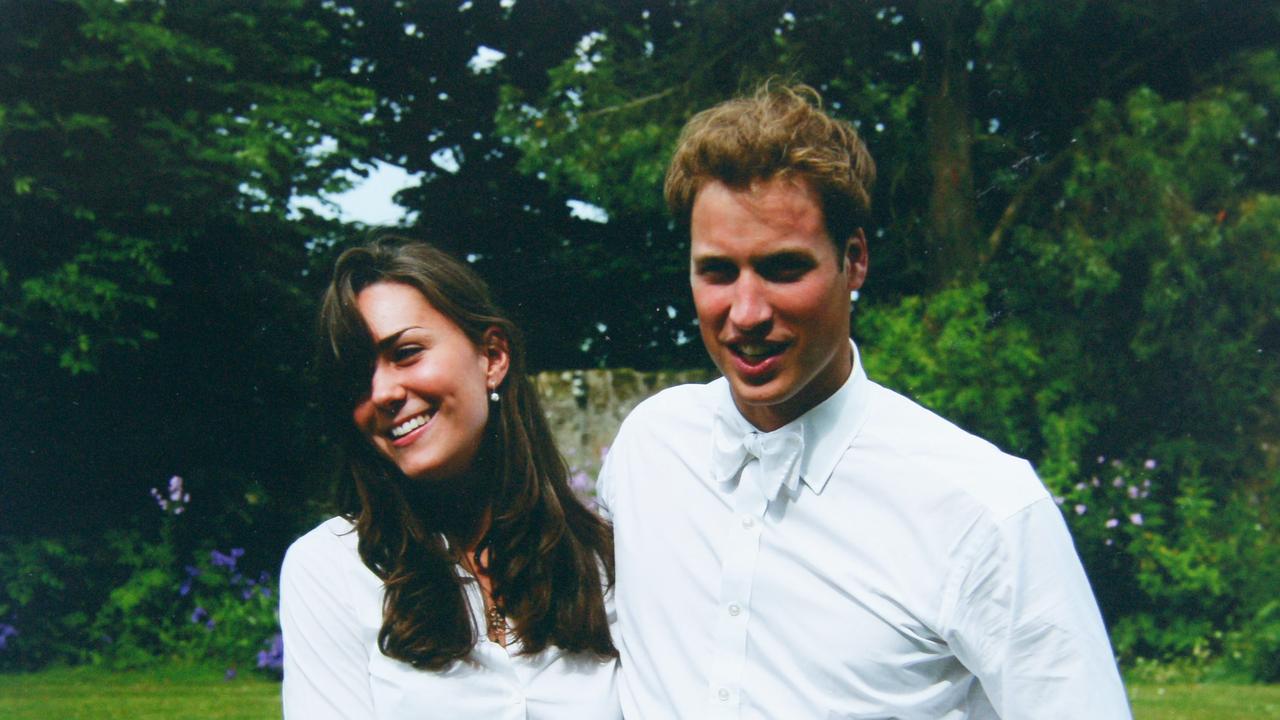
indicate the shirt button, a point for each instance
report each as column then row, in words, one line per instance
column 734, row 609
column 723, row 694
column 748, row 522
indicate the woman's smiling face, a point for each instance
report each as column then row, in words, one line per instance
column 427, row 402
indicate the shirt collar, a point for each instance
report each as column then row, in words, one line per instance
column 828, row 428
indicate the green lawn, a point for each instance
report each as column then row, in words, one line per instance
column 87, row 693
column 175, row 694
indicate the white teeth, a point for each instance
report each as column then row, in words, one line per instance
column 408, row 426
column 753, row 350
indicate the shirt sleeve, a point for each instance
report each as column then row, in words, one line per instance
column 1025, row 622
column 326, row 664
column 605, row 480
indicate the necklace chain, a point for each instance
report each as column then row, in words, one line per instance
column 497, row 624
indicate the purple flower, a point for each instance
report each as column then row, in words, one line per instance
column 231, row 674
column 1080, row 508
column 175, row 489
column 6, row 631
column 272, row 658
column 199, row 614
column 1058, row 499
column 580, row 482
column 1136, row 518
column 160, row 499
column 193, row 572
column 1149, row 464
column 1118, row 482
column 1134, row 492
column 226, row 560
column 1111, row 522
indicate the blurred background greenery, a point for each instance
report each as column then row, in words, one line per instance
column 1076, row 255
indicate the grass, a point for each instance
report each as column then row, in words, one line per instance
column 1204, row 702
column 175, row 693
column 88, row 693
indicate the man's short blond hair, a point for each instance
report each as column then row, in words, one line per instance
column 779, row 131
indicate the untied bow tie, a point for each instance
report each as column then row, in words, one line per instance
column 779, row 454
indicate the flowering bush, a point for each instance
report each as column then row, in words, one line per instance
column 207, row 609
column 45, row 602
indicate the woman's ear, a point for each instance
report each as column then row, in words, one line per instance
column 497, row 354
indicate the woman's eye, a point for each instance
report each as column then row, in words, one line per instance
column 405, row 352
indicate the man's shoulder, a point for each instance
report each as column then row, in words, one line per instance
column 678, row 404
column 933, row 449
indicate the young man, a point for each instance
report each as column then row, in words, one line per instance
column 795, row 541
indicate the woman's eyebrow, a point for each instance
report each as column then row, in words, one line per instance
column 391, row 339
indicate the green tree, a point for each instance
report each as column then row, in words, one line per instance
column 152, row 289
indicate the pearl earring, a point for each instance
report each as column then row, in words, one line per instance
column 493, row 395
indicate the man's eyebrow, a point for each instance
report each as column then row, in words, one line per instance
column 391, row 339
column 708, row 258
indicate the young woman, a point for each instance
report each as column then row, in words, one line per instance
column 463, row 579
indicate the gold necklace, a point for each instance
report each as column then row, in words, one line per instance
column 497, row 623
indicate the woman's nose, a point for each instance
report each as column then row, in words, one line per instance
column 386, row 391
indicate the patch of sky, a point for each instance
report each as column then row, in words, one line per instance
column 485, row 59
column 447, row 160
column 466, row 6
column 584, row 210
column 369, row 201
column 586, row 58
column 410, row 28
column 993, row 126
column 915, row 47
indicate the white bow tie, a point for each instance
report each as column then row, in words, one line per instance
column 779, row 453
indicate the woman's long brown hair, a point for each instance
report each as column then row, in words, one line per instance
column 548, row 552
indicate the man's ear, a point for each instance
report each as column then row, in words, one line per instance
column 497, row 353
column 855, row 258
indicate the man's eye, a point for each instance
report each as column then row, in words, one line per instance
column 716, row 273
column 785, row 270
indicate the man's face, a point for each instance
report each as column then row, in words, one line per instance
column 772, row 294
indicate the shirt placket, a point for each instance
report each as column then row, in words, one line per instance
column 741, row 548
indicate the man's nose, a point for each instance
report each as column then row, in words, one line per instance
column 751, row 310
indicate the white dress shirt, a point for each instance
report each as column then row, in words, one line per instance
column 331, row 612
column 881, row 563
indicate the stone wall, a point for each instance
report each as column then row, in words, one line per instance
column 586, row 407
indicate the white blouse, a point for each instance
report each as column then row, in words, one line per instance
column 331, row 612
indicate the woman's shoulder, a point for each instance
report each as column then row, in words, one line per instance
column 325, row 543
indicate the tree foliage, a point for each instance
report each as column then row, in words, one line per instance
column 1074, row 251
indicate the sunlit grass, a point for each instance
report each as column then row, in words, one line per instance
column 155, row 694
column 1204, row 702
column 169, row 693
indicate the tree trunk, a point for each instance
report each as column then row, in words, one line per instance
column 952, row 234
